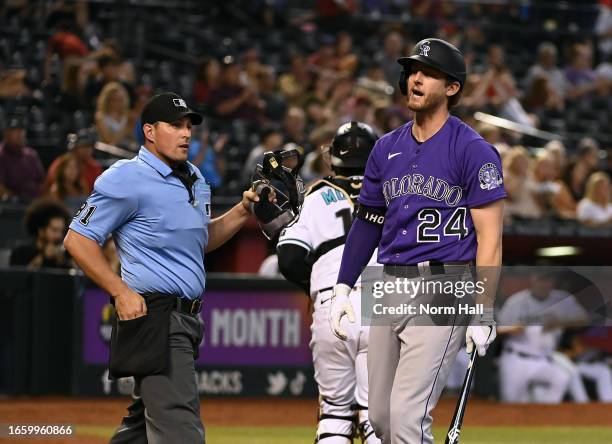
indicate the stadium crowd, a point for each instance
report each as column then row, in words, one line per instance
column 279, row 74
column 69, row 84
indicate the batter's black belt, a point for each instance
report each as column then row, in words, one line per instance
column 425, row 269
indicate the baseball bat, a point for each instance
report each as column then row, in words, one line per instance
column 452, row 437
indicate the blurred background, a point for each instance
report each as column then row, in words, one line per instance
column 74, row 76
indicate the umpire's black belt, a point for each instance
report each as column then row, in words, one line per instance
column 425, row 269
column 184, row 305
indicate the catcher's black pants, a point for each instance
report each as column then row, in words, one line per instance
column 166, row 407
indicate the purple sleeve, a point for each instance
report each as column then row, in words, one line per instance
column 371, row 193
column 361, row 242
column 483, row 179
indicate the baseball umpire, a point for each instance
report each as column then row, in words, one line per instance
column 432, row 202
column 157, row 206
column 309, row 254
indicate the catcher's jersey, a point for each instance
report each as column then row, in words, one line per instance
column 428, row 189
column 326, row 214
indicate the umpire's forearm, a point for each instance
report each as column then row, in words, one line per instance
column 222, row 228
column 88, row 255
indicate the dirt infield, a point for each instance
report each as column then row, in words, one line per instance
column 286, row 412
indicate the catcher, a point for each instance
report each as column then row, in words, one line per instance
column 309, row 253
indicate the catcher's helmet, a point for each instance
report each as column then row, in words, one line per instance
column 438, row 54
column 351, row 147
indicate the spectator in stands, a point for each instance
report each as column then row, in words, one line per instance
column 13, row 83
column 546, row 66
column 21, row 171
column 125, row 69
column 208, row 157
column 294, row 126
column 67, row 186
column 320, row 92
column 361, row 110
column 324, row 58
column 317, row 114
column 108, row 70
column 489, row 132
column 271, row 139
column 80, row 147
column 46, row 220
column 347, row 60
column 553, row 194
column 558, row 154
column 579, row 169
column 295, row 83
column 66, row 44
column 233, row 99
column 520, row 186
column 113, row 118
column 374, row 86
column 387, row 59
column 541, row 98
column 251, row 65
column 499, row 87
column 274, row 103
column 595, row 210
column 208, row 78
column 579, row 72
column 317, row 163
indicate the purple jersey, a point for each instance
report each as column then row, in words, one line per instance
column 428, row 189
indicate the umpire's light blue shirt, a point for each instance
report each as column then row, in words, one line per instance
column 160, row 236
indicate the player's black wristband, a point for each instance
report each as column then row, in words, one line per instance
column 372, row 215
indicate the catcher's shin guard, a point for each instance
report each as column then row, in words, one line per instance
column 366, row 431
column 336, row 423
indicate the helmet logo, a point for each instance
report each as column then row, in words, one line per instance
column 425, row 48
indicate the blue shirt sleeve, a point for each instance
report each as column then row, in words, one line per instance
column 371, row 193
column 112, row 203
column 483, row 178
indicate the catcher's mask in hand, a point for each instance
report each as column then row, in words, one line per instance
column 288, row 187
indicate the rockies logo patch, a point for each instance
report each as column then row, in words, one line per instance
column 489, row 177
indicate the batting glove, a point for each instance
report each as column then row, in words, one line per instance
column 340, row 306
column 480, row 336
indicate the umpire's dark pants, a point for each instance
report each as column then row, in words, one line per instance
column 166, row 408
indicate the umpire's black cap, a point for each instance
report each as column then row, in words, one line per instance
column 438, row 54
column 168, row 107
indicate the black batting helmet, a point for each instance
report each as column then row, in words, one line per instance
column 351, row 146
column 438, row 54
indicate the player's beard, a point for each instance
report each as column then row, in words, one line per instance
column 425, row 103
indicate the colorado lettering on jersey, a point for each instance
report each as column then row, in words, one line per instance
column 432, row 188
column 332, row 195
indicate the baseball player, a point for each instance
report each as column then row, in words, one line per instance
column 432, row 202
column 309, row 254
column 532, row 319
